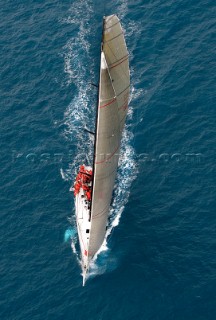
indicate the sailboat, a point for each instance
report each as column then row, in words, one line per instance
column 93, row 187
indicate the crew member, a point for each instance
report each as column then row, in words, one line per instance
column 88, row 195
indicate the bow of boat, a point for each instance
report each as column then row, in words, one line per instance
column 84, row 277
column 84, row 274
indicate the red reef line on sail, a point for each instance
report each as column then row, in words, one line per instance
column 107, row 104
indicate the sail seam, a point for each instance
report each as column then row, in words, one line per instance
column 116, row 57
column 119, row 63
column 110, row 65
column 112, row 25
column 99, row 214
column 123, row 118
column 124, row 106
column 123, row 91
column 118, row 35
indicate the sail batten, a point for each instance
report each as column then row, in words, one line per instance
column 111, row 113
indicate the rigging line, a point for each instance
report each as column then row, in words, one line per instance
column 123, row 90
column 118, row 35
column 123, row 118
column 101, row 213
column 115, row 65
column 110, row 65
column 111, row 25
column 113, row 100
column 91, row 132
column 94, row 85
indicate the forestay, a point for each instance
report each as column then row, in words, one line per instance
column 112, row 111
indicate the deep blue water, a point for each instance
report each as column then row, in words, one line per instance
column 161, row 257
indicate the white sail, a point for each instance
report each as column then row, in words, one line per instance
column 111, row 114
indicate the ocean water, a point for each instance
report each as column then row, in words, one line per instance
column 159, row 259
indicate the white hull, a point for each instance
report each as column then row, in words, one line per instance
column 83, row 226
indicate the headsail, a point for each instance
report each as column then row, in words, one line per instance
column 112, row 111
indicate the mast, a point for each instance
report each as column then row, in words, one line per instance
column 96, row 117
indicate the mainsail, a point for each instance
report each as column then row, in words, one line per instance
column 111, row 114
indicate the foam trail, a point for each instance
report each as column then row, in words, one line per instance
column 70, row 234
column 79, row 113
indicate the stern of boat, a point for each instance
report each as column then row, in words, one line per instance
column 82, row 191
